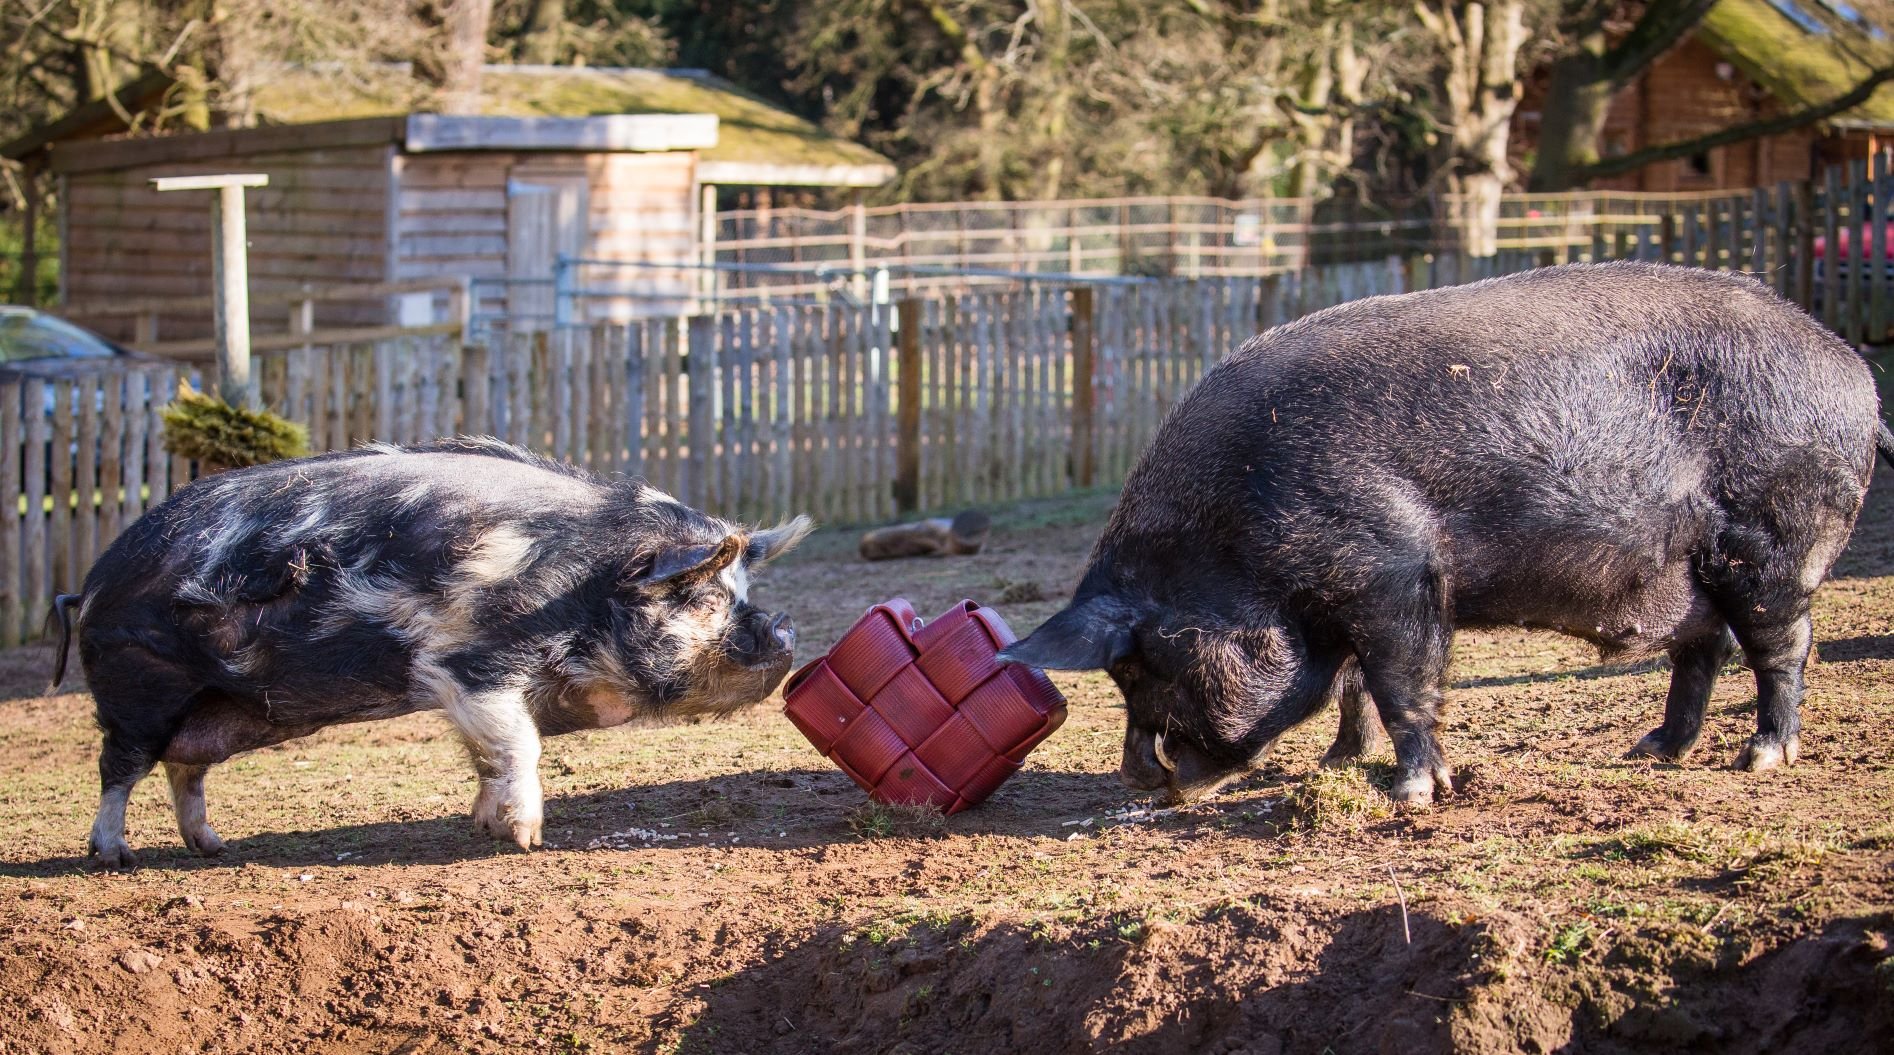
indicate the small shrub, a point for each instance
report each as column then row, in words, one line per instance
column 219, row 436
column 876, row 820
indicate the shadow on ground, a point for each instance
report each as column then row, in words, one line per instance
column 807, row 807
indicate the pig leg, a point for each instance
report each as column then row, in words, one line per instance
column 187, row 801
column 504, row 743
column 1694, row 667
column 1360, row 728
column 122, row 764
column 1778, row 654
column 1403, row 657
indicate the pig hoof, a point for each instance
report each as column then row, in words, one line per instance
column 1419, row 790
column 526, row 834
column 204, row 842
column 115, row 855
column 1655, row 745
column 1766, row 753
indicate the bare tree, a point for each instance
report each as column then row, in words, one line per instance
column 464, row 55
column 1478, row 81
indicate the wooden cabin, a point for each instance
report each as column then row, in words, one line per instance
column 1749, row 59
column 614, row 167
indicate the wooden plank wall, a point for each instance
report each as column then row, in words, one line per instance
column 322, row 220
column 451, row 214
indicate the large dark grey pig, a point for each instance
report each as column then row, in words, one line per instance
column 519, row 596
column 1651, row 458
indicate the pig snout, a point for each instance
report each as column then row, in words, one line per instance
column 1141, row 769
column 1179, row 769
column 763, row 638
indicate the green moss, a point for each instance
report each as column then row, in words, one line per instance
column 750, row 129
column 1797, row 67
column 213, row 432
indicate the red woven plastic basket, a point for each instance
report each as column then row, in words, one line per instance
column 924, row 713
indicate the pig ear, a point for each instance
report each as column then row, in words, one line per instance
column 686, row 563
column 766, row 546
column 1089, row 635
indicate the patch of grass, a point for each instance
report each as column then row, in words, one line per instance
column 877, row 820
column 1668, row 839
column 1337, row 798
column 1570, row 942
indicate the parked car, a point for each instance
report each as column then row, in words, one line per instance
column 1855, row 247
column 35, row 344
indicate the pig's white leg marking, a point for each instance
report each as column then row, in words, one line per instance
column 187, row 801
column 107, row 841
column 504, row 742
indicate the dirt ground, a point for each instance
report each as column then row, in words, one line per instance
column 720, row 888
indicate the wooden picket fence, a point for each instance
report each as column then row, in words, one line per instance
column 852, row 413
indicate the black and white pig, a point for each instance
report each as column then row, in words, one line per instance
column 1654, row 459
column 519, row 596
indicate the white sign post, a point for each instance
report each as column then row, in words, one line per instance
column 230, row 274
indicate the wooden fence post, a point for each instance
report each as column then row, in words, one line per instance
column 1831, row 217
column 12, row 435
column 1804, row 292
column 702, row 379
column 1084, row 467
column 476, row 374
column 907, row 459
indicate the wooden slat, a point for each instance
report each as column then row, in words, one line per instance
column 91, row 541
column 62, row 452
column 137, row 432
column 12, row 436
column 675, row 397
column 1831, row 291
column 726, row 454
column 702, row 331
column 751, row 467
column 783, row 495
column 1876, row 264
column 164, row 386
column 535, row 393
column 835, row 337
column 111, row 459
column 33, row 578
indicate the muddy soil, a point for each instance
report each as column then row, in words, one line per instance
column 719, row 888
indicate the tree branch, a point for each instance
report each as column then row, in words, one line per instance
column 1768, row 126
column 1663, row 23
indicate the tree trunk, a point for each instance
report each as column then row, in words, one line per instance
column 1577, row 101
column 467, row 23
column 1309, row 118
column 1473, row 215
column 1479, row 82
column 233, row 63
column 28, row 292
column 543, row 36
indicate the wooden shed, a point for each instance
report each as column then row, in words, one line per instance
column 1747, row 60
column 610, row 166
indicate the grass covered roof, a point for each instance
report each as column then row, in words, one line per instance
column 750, row 130
column 1804, row 52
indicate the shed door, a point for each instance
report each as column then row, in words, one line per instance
column 545, row 219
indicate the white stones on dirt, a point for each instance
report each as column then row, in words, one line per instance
column 629, row 838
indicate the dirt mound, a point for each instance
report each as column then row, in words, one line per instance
column 1268, row 978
